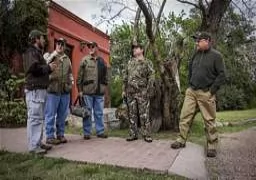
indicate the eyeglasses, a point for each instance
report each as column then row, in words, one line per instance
column 91, row 46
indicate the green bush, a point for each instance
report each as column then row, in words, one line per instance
column 13, row 108
column 116, row 91
column 13, row 113
column 231, row 98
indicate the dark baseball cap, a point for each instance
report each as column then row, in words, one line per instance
column 35, row 33
column 92, row 43
column 202, row 35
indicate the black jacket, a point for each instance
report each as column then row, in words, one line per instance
column 36, row 69
column 206, row 71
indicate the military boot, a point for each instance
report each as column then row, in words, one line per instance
column 132, row 138
column 177, row 145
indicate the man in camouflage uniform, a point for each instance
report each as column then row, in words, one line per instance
column 138, row 80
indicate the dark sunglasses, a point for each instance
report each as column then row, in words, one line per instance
column 60, row 43
column 91, row 46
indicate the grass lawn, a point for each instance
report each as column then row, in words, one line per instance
column 197, row 131
column 29, row 167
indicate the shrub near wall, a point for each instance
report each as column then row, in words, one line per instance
column 12, row 108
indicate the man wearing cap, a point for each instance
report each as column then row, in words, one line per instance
column 36, row 82
column 58, row 96
column 91, row 83
column 206, row 75
column 138, row 81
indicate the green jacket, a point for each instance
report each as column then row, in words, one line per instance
column 92, row 76
column 61, row 78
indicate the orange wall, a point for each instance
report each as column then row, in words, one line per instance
column 63, row 24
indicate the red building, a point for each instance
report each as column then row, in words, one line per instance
column 77, row 32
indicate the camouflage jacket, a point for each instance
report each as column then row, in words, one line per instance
column 61, row 78
column 138, row 77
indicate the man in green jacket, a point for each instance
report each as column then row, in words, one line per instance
column 206, row 75
column 91, row 83
column 58, row 96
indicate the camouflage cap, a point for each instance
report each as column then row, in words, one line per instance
column 35, row 33
column 136, row 45
column 202, row 35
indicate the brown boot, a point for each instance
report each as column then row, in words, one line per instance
column 46, row 147
column 53, row 141
column 62, row 139
column 177, row 145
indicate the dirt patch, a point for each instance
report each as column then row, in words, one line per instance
column 236, row 157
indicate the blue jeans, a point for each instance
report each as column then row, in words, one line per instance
column 35, row 101
column 95, row 103
column 57, row 107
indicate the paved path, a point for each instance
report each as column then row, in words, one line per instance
column 156, row 156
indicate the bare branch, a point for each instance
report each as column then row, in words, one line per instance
column 190, row 3
column 240, row 10
column 113, row 17
column 156, row 26
column 136, row 26
column 207, row 3
column 148, row 19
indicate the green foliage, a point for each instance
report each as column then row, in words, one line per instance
column 116, row 91
column 19, row 17
column 231, row 98
column 13, row 110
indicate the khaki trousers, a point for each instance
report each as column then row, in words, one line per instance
column 207, row 105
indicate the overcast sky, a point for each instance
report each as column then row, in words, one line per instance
column 87, row 9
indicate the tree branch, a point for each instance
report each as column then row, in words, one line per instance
column 190, row 3
column 136, row 26
column 113, row 17
column 148, row 19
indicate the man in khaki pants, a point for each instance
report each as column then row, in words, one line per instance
column 206, row 75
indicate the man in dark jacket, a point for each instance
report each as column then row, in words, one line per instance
column 206, row 75
column 92, row 80
column 36, row 82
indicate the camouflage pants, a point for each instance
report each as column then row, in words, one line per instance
column 206, row 103
column 139, row 116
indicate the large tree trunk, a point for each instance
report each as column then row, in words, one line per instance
column 166, row 103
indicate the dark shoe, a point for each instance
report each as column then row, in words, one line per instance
column 46, row 147
column 211, row 153
column 87, row 137
column 53, row 141
column 62, row 139
column 102, row 136
column 132, row 138
column 177, row 145
column 38, row 151
column 148, row 139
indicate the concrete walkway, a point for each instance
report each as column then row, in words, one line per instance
column 156, row 156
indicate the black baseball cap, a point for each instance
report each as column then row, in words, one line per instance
column 202, row 35
column 92, row 43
